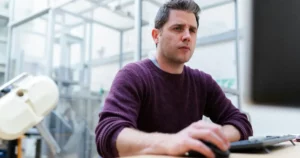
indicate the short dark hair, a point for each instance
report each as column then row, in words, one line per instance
column 162, row 15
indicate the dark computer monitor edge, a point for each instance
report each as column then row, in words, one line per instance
column 248, row 93
column 247, row 72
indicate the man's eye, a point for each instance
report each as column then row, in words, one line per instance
column 177, row 28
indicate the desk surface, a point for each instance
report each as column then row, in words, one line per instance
column 282, row 150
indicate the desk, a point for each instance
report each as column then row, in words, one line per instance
column 282, row 150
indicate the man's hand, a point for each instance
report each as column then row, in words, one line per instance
column 189, row 139
column 231, row 133
column 133, row 142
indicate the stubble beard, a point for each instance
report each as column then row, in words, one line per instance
column 172, row 59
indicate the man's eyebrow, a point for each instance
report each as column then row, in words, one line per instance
column 181, row 25
column 193, row 27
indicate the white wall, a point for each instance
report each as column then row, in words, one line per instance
column 216, row 59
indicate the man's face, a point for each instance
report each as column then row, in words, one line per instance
column 176, row 40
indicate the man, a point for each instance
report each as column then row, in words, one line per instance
column 156, row 106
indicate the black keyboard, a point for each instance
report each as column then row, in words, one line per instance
column 259, row 143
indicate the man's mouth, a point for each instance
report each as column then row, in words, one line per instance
column 184, row 48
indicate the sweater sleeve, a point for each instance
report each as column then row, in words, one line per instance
column 120, row 110
column 221, row 110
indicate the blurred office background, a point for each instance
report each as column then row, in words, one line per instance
column 82, row 44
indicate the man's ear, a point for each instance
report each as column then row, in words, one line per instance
column 155, row 35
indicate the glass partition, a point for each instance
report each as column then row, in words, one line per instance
column 25, row 8
column 216, row 20
column 28, row 48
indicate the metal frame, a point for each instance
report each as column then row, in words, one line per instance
column 29, row 18
column 53, row 10
column 50, row 40
column 237, row 51
column 138, row 24
column 88, row 20
column 221, row 37
column 9, row 42
column 155, row 2
column 121, row 50
column 138, row 29
column 226, row 36
column 120, row 13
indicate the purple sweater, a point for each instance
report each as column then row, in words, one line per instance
column 146, row 98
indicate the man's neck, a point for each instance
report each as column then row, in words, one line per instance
column 168, row 66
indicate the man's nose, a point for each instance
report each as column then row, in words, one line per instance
column 186, row 35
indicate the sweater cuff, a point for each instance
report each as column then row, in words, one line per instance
column 240, row 127
column 114, row 141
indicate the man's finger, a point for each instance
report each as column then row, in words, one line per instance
column 209, row 136
column 213, row 127
column 200, row 147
